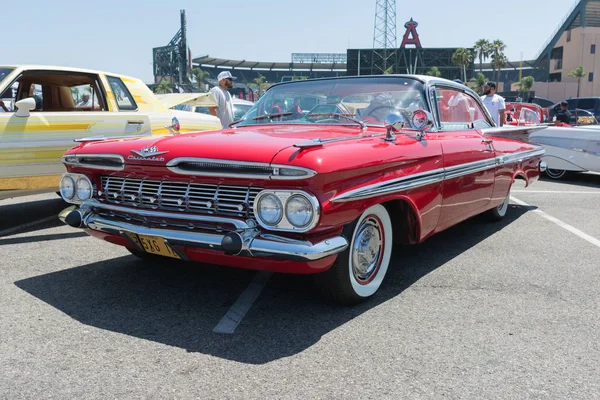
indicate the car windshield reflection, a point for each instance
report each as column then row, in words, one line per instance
column 337, row 101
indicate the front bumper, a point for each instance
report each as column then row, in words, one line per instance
column 241, row 239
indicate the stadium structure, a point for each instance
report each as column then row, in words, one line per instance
column 581, row 25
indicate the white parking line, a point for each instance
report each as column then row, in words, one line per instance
column 554, row 191
column 27, row 225
column 560, row 223
column 238, row 310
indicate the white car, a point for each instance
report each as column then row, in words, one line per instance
column 240, row 108
column 569, row 149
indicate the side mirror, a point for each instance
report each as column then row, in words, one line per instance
column 24, row 106
column 421, row 120
column 393, row 123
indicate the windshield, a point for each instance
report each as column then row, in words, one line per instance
column 583, row 117
column 332, row 101
column 4, row 73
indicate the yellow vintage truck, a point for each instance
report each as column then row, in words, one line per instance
column 44, row 109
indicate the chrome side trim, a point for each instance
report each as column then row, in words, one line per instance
column 256, row 245
column 109, row 157
column 102, row 138
column 520, row 156
column 469, row 168
column 94, row 204
column 434, row 176
column 394, row 185
column 271, row 171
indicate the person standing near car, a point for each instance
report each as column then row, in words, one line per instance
column 494, row 103
column 563, row 115
column 224, row 109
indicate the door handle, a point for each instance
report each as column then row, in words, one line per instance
column 488, row 141
column 135, row 122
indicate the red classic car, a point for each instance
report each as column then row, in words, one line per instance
column 325, row 191
column 525, row 114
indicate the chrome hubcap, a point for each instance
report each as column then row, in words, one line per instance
column 367, row 250
column 555, row 173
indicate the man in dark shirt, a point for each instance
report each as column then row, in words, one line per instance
column 563, row 115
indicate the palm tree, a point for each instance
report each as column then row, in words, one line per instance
column 162, row 87
column 479, row 81
column 462, row 58
column 434, row 71
column 578, row 73
column 499, row 61
column 525, row 84
column 482, row 51
column 260, row 84
column 199, row 75
column 496, row 48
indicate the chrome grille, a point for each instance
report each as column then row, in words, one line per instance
column 179, row 196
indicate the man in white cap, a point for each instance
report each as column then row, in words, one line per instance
column 223, row 99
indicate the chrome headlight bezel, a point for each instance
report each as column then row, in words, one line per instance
column 63, row 184
column 77, row 197
column 284, row 224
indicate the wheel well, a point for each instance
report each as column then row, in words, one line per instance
column 405, row 223
column 521, row 176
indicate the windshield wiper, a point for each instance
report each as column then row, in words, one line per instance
column 330, row 115
column 270, row 116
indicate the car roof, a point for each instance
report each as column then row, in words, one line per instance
column 64, row 69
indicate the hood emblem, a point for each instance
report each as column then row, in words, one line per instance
column 148, row 153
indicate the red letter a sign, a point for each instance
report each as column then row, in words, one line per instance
column 411, row 30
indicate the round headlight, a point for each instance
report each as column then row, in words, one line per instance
column 270, row 209
column 67, row 187
column 299, row 211
column 84, row 189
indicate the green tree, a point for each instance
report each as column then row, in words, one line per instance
column 482, row 51
column 479, row 81
column 462, row 58
column 75, row 93
column 496, row 52
column 162, row 87
column 525, row 84
column 199, row 75
column 499, row 61
column 259, row 84
column 578, row 73
column 434, row 71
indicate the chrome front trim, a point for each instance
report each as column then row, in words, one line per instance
column 255, row 243
column 248, row 170
column 94, row 204
column 284, row 225
column 434, row 176
column 77, row 162
column 189, row 197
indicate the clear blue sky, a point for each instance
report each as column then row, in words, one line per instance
column 118, row 36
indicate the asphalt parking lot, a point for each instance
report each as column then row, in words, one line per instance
column 482, row 310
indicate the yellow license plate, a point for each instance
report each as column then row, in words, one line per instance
column 154, row 245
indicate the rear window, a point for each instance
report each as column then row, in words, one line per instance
column 122, row 96
column 587, row 104
column 4, row 72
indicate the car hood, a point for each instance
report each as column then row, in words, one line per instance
column 250, row 144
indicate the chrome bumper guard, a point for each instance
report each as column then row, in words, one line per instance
column 243, row 240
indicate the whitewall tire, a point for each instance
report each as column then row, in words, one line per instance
column 359, row 271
